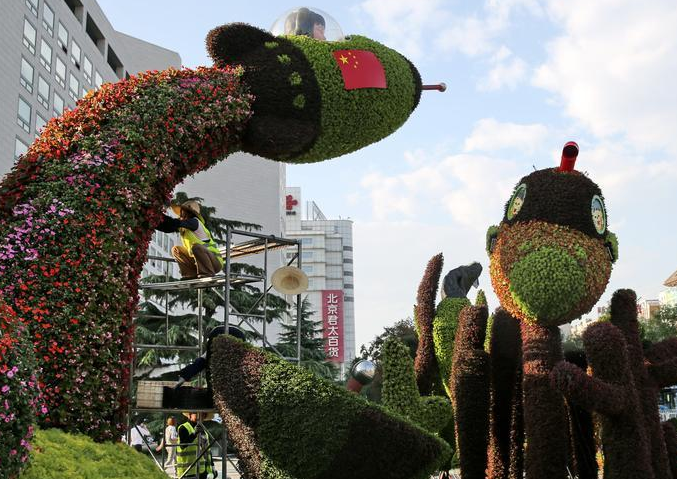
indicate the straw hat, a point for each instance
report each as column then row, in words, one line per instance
column 191, row 206
column 206, row 416
column 290, row 280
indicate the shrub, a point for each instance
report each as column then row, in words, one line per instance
column 444, row 333
column 59, row 455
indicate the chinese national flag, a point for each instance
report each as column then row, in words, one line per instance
column 360, row 69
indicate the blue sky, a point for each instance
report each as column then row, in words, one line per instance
column 523, row 77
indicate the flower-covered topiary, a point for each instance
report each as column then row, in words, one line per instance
column 425, row 364
column 445, row 325
column 78, row 209
column 288, row 423
column 20, row 399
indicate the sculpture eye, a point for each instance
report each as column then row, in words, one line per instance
column 516, row 201
column 598, row 214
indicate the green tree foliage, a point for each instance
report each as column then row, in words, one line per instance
column 313, row 356
column 661, row 325
column 403, row 330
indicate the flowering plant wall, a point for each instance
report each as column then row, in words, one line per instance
column 20, row 398
column 78, row 212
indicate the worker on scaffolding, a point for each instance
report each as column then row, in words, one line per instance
column 193, row 458
column 198, row 256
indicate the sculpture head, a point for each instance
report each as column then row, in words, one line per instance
column 552, row 254
column 317, row 99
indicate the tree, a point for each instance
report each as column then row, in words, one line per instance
column 403, row 330
column 661, row 325
column 313, row 356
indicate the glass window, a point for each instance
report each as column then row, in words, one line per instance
column 27, row 71
column 32, row 6
column 73, row 87
column 30, row 36
column 87, row 69
column 62, row 37
column 40, row 122
column 58, row 104
column 307, row 255
column 75, row 54
column 48, row 19
column 19, row 148
column 98, row 81
column 307, row 268
column 46, row 55
column 306, row 241
column 24, row 115
column 43, row 92
column 60, row 72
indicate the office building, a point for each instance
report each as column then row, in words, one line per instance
column 52, row 52
column 327, row 259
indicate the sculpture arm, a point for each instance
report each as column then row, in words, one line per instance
column 588, row 392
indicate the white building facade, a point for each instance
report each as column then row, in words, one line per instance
column 327, row 259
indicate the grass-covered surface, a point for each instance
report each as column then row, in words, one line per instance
column 58, row 455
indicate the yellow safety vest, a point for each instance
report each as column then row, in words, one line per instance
column 185, row 456
column 189, row 238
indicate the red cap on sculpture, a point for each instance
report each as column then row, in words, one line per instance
column 569, row 155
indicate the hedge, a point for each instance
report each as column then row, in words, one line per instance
column 444, row 334
column 294, row 424
column 58, row 455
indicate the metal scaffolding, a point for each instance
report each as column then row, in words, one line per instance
column 255, row 244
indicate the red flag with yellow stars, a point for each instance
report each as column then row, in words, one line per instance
column 360, row 69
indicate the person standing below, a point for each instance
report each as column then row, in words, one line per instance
column 169, row 442
column 192, row 435
column 198, row 256
column 138, row 433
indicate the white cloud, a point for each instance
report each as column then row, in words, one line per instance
column 614, row 66
column 491, row 135
column 507, row 71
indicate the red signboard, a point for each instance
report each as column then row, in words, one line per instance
column 332, row 321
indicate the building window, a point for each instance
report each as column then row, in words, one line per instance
column 87, row 69
column 48, row 19
column 98, row 81
column 46, row 55
column 75, row 54
column 30, row 36
column 95, row 34
column 307, row 241
column 32, row 6
column 73, row 87
column 60, row 72
column 62, row 38
column 307, row 268
column 27, row 72
column 58, row 104
column 115, row 63
column 347, row 248
column 40, row 122
column 24, row 115
column 347, row 260
column 347, row 273
column 348, row 286
column 307, row 255
column 20, row 148
column 43, row 92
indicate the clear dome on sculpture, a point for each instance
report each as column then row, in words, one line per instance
column 309, row 21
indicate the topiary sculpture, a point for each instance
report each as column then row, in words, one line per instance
column 551, row 259
column 288, row 423
column 610, row 392
column 400, row 395
column 78, row 209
